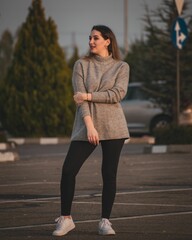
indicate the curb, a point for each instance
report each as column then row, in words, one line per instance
column 43, row 141
column 149, row 148
column 46, row 141
column 8, row 156
column 7, row 152
column 168, row 149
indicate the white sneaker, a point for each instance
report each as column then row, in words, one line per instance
column 105, row 227
column 64, row 225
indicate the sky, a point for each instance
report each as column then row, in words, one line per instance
column 75, row 18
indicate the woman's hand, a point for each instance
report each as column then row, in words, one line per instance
column 93, row 136
column 79, row 98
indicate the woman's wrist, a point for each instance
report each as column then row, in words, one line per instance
column 87, row 96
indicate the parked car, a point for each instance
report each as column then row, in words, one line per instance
column 143, row 113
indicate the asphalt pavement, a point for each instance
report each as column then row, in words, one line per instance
column 153, row 201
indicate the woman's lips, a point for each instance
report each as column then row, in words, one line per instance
column 92, row 47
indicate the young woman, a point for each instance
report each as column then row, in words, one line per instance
column 100, row 82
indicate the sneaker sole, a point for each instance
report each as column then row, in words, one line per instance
column 63, row 233
column 106, row 233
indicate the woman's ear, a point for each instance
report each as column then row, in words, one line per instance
column 108, row 42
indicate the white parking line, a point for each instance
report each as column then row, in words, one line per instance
column 137, row 204
column 96, row 195
column 27, row 183
column 96, row 220
column 149, row 191
column 44, row 155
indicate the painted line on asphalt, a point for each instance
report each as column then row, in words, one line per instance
column 96, row 220
column 157, row 191
column 56, row 200
column 27, row 184
column 136, row 204
column 96, row 195
column 150, row 191
column 159, row 168
column 44, row 155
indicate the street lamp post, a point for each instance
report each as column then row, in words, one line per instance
column 126, row 26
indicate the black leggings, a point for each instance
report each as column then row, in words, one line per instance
column 78, row 152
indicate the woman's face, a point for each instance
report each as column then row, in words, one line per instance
column 98, row 45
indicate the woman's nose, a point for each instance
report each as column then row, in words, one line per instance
column 90, row 41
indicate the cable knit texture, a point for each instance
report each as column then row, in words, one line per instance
column 107, row 80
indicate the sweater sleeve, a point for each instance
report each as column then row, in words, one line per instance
column 118, row 91
column 79, row 86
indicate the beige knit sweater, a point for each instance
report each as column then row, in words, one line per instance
column 107, row 80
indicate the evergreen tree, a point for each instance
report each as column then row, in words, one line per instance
column 154, row 58
column 6, row 51
column 38, row 91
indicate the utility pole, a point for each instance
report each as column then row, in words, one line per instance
column 126, row 26
column 73, row 39
column 178, row 87
column 179, row 37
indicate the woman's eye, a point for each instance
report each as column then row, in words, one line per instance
column 94, row 38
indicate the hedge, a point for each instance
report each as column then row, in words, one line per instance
column 173, row 135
